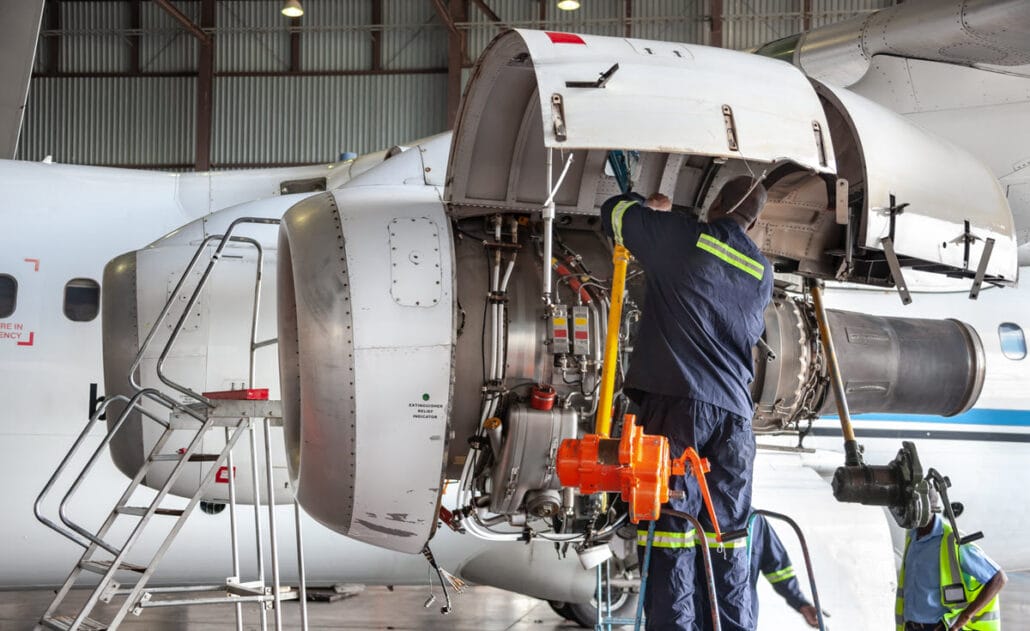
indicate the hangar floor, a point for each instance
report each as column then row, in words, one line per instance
column 478, row 609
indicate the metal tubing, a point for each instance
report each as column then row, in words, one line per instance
column 852, row 456
column 300, row 568
column 603, row 422
column 709, row 574
column 548, row 217
column 257, row 516
column 208, row 478
column 215, row 257
column 257, row 303
column 233, row 533
column 643, row 576
column 274, row 544
column 804, row 551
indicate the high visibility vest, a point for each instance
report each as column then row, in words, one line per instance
column 958, row 589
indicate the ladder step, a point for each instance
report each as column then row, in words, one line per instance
column 139, row 511
column 64, row 623
column 101, row 567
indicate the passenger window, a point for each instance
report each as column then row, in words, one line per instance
column 8, row 295
column 81, row 299
column 1013, row 343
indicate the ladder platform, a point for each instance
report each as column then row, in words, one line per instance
column 247, row 394
column 102, row 567
column 177, row 457
column 227, row 413
column 64, row 623
column 140, row 511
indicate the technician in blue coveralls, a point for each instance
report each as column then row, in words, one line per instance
column 707, row 289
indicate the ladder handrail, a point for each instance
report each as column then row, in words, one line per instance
column 215, row 257
column 804, row 551
column 148, row 393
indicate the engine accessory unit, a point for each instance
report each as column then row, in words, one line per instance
column 526, row 460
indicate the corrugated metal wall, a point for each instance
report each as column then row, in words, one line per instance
column 86, row 107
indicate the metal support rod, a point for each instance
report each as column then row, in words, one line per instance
column 234, row 538
column 852, row 453
column 804, row 551
column 707, row 556
column 273, row 543
column 548, row 217
column 300, row 568
column 257, row 516
column 644, row 571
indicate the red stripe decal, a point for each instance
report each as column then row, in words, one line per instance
column 561, row 333
column 582, row 335
column 565, row 38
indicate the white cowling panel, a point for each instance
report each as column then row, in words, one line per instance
column 943, row 185
column 366, row 334
column 664, row 99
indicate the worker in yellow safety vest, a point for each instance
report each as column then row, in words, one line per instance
column 944, row 586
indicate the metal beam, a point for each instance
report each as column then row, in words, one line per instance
column 445, row 17
column 629, row 18
column 187, row 23
column 806, row 15
column 205, row 87
column 295, row 45
column 52, row 17
column 717, row 19
column 455, row 12
column 487, row 11
column 377, row 34
column 136, row 25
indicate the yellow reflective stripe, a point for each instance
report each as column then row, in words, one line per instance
column 737, row 544
column 667, row 539
column 735, row 258
column 617, row 213
column 781, row 575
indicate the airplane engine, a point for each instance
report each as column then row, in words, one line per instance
column 890, row 365
column 455, row 331
column 211, row 351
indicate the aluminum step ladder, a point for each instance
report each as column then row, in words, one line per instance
column 237, row 413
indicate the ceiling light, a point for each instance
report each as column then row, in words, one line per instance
column 292, row 9
column 568, row 5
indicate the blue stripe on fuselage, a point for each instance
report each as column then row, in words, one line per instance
column 979, row 416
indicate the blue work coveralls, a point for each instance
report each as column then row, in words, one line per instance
column 707, row 289
column 769, row 558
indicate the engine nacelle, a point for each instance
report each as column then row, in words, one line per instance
column 211, row 351
column 890, row 365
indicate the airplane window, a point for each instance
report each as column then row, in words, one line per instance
column 81, row 299
column 1013, row 344
column 8, row 295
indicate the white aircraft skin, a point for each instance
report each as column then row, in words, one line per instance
column 72, row 220
column 68, row 353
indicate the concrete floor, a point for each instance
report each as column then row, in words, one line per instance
column 477, row 609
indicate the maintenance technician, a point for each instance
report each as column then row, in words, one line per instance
column 944, row 586
column 707, row 289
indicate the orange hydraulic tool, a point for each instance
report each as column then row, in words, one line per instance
column 637, row 466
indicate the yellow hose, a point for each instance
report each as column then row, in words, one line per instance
column 603, row 424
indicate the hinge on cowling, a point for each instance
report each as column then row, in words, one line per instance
column 558, row 117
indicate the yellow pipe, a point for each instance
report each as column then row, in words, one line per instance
column 603, row 424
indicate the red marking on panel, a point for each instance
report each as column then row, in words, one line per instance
column 581, row 335
column 222, row 477
column 35, row 263
column 565, row 38
column 251, row 394
column 561, row 333
column 32, row 339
